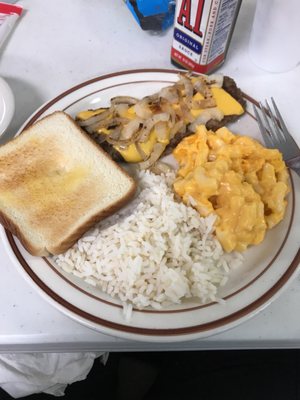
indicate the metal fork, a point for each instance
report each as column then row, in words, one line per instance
column 276, row 134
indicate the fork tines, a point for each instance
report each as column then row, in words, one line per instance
column 274, row 130
column 264, row 131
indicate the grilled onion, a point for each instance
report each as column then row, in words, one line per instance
column 140, row 151
column 215, row 80
column 121, row 109
column 176, row 128
column 131, row 128
column 188, row 87
column 170, row 94
column 157, row 151
column 107, row 123
column 160, row 167
column 95, row 118
column 142, row 109
column 205, row 116
column 124, row 100
column 150, row 123
column 162, row 131
column 204, row 103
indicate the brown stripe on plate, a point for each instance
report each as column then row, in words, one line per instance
column 152, row 310
column 110, row 87
column 145, row 331
column 93, row 80
column 252, row 307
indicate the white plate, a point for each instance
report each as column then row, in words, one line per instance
column 267, row 270
column 7, row 105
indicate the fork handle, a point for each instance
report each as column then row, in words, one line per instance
column 294, row 164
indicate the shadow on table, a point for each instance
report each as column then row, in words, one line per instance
column 27, row 100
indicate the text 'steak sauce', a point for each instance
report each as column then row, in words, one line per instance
column 202, row 33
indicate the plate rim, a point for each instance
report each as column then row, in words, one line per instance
column 234, row 318
column 37, row 113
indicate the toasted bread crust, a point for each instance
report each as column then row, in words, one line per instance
column 72, row 238
column 8, row 224
column 77, row 232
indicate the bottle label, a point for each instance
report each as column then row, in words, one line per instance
column 202, row 31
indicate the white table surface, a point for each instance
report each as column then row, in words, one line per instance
column 58, row 44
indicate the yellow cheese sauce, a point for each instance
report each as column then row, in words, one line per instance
column 236, row 178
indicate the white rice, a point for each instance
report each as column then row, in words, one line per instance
column 154, row 252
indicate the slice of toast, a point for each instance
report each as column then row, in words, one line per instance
column 55, row 183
